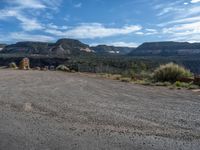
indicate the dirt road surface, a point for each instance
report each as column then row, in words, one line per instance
column 63, row 111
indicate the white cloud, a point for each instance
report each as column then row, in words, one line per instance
column 184, row 20
column 29, row 24
column 35, row 4
column 21, row 36
column 191, row 11
column 26, row 23
column 52, row 4
column 139, row 33
column 195, row 1
column 194, row 27
column 94, row 30
column 187, row 32
column 151, row 32
column 54, row 32
column 168, row 8
column 118, row 44
column 20, row 10
column 83, row 31
column 177, row 10
column 24, row 10
column 192, row 39
column 55, row 27
column 79, row 5
column 5, row 13
column 124, row 44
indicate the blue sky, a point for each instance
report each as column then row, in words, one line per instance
column 111, row 22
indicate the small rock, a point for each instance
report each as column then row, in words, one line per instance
column 28, row 107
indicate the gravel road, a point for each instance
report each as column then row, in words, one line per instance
column 61, row 111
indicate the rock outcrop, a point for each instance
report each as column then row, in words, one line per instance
column 167, row 49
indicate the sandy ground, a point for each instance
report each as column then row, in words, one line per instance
column 61, row 111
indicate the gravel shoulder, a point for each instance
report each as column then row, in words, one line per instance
column 56, row 110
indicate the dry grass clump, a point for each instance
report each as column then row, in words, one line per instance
column 125, row 79
column 13, row 65
column 171, row 73
column 63, row 68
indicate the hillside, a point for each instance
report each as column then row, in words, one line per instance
column 61, row 47
column 74, row 47
column 109, row 59
column 2, row 46
column 104, row 49
column 167, row 49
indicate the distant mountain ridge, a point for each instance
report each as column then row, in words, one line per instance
column 61, row 47
column 104, row 49
column 75, row 53
column 2, row 46
column 166, row 49
column 74, row 47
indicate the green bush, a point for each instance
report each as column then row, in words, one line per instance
column 13, row 65
column 171, row 73
column 182, row 84
column 62, row 68
column 192, row 86
column 162, row 83
column 143, row 82
column 179, row 84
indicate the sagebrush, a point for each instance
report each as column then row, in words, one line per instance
column 171, row 73
column 62, row 68
column 13, row 65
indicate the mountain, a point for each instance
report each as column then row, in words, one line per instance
column 104, row 49
column 68, row 47
column 2, row 46
column 167, row 49
column 61, row 47
column 74, row 47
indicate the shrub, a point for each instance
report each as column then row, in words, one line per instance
column 13, row 65
column 179, row 84
column 37, row 68
column 116, row 77
column 143, row 82
column 125, row 79
column 192, row 86
column 62, row 68
column 105, row 75
column 146, row 75
column 111, row 76
column 197, row 80
column 170, row 72
column 162, row 84
column 73, row 71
